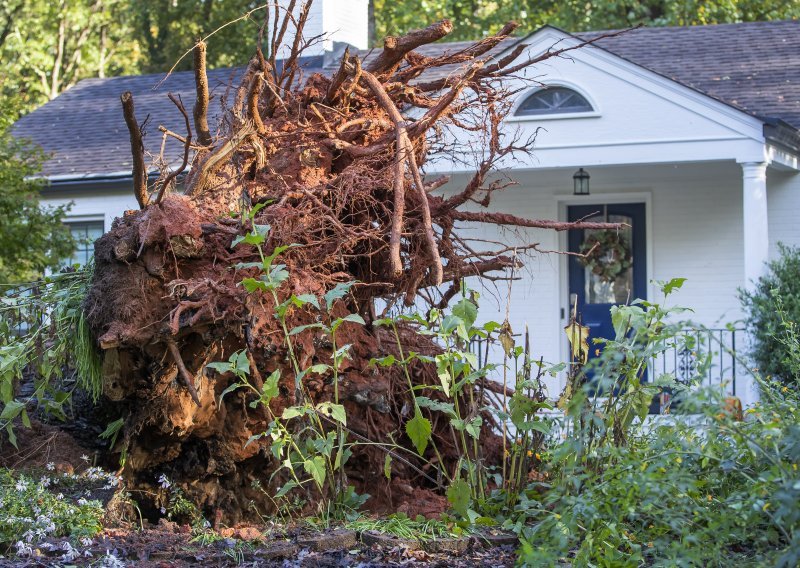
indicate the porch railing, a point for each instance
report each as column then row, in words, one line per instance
column 710, row 357
column 701, row 356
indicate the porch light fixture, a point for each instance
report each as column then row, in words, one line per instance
column 581, row 181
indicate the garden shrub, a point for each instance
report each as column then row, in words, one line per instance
column 699, row 489
column 775, row 298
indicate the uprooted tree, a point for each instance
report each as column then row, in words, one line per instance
column 306, row 185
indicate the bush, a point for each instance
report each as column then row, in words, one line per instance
column 702, row 489
column 774, row 300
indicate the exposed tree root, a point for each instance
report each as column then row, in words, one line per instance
column 336, row 165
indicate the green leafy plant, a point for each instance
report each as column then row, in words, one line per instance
column 474, row 485
column 699, row 488
column 43, row 334
column 776, row 293
column 308, row 439
column 35, row 508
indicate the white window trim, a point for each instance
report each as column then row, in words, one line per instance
column 513, row 117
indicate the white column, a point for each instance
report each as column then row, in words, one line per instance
column 756, row 229
column 756, row 249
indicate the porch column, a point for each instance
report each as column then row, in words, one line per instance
column 756, row 248
column 756, row 230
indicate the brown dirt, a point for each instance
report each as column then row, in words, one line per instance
column 43, row 444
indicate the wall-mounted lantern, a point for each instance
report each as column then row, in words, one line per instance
column 581, row 181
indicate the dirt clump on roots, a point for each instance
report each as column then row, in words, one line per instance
column 330, row 168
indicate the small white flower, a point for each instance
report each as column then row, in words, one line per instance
column 82, row 502
column 86, row 541
column 111, row 561
column 85, row 458
column 50, row 466
column 23, row 549
column 21, row 485
column 163, row 511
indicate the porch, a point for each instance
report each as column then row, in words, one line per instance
column 703, row 221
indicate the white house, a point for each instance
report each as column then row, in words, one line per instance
column 690, row 135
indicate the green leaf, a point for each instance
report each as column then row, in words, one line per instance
column 672, row 285
column 467, row 311
column 293, row 412
column 242, row 362
column 304, row 299
column 302, row 328
column 450, row 323
column 270, row 388
column 387, row 466
column 253, row 438
column 11, row 436
column 220, row 367
column 11, row 410
column 333, row 411
column 255, row 209
column 446, row 407
column 112, row 430
column 354, row 318
column 473, row 427
column 230, row 389
column 458, row 494
column 387, row 361
column 316, row 468
column 337, row 292
column 418, row 430
column 283, row 491
column 252, row 285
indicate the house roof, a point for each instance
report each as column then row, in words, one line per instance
column 754, row 67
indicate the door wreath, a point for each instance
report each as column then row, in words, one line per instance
column 606, row 254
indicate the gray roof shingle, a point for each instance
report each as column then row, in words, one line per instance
column 754, row 67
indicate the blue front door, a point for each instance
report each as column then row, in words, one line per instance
column 597, row 293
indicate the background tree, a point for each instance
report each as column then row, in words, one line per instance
column 32, row 237
column 46, row 47
column 477, row 18
column 165, row 29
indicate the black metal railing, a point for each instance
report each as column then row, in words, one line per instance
column 708, row 357
column 697, row 356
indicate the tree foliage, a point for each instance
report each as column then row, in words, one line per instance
column 32, row 237
column 46, row 47
column 478, row 18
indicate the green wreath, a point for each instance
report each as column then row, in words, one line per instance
column 606, row 254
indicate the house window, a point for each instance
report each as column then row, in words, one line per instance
column 554, row 100
column 85, row 234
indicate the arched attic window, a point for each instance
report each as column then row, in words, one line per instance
column 554, row 100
